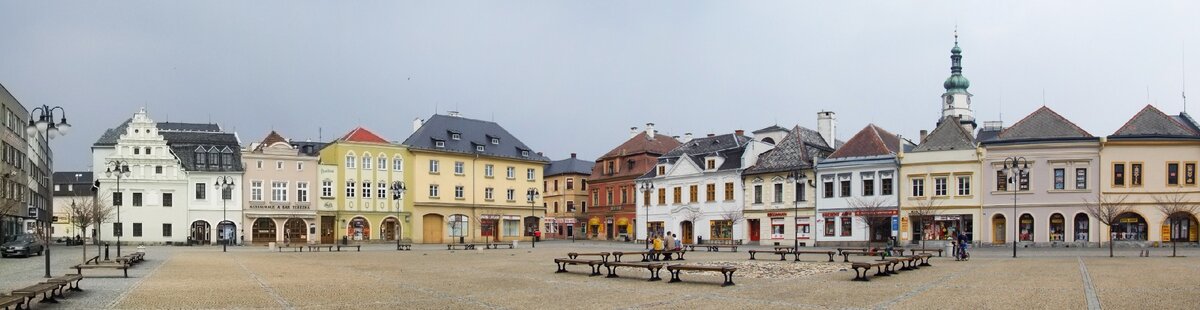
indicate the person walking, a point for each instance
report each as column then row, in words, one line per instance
column 963, row 242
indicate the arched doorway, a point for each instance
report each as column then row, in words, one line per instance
column 1057, row 227
column 1130, row 227
column 686, row 228
column 262, row 230
column 1184, row 227
column 227, row 232
column 294, row 231
column 1082, row 227
column 201, row 232
column 1026, row 227
column 359, row 229
column 431, row 228
column 998, row 229
column 531, row 224
column 391, row 229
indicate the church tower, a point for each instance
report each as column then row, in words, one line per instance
column 956, row 101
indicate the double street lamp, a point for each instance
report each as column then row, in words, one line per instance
column 1016, row 167
column 533, row 195
column 117, row 169
column 46, row 126
column 398, row 189
column 225, row 185
column 647, row 188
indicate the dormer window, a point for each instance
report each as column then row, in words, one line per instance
column 662, row 170
column 439, row 144
column 710, row 164
column 495, row 140
column 524, row 153
column 456, row 136
column 479, row 148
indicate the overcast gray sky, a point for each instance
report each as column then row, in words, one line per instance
column 573, row 76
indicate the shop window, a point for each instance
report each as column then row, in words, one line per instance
column 1060, row 181
column 1189, row 174
column 1057, row 227
column 777, row 228
column 1081, row 178
column 1023, row 184
column 1135, row 174
column 721, row 230
column 1001, row 181
column 457, row 225
column 1130, row 227
column 512, row 228
column 1026, row 228
column 830, row 226
column 1082, row 227
column 1119, row 174
column 1172, row 173
column 847, row 226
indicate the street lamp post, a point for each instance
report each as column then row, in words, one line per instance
column 46, row 126
column 795, row 177
column 225, row 185
column 533, row 194
column 1015, row 166
column 398, row 189
column 118, row 169
column 647, row 187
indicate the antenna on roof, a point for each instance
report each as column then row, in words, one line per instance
column 1001, row 104
column 319, row 137
column 1183, row 71
column 1044, row 96
column 1147, row 93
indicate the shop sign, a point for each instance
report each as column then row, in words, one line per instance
column 777, row 222
column 512, row 217
column 875, row 213
column 1027, row 221
column 904, row 222
column 830, row 214
column 490, row 216
column 1056, row 220
column 895, row 224
column 802, row 220
column 1129, row 220
column 946, row 217
column 776, row 214
column 1166, row 232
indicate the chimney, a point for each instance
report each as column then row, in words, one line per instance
column 417, row 122
column 572, row 155
column 827, row 126
column 633, row 132
column 687, row 137
column 539, row 153
column 650, row 131
column 453, row 113
column 739, row 132
column 924, row 134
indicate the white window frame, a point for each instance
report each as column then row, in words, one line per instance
column 433, row 190
column 327, row 188
column 434, row 166
column 941, row 186
column 279, row 191
column 351, row 160
column 398, row 164
column 459, row 168
column 459, row 192
column 351, row 188
column 530, row 174
column 964, row 185
column 489, row 170
column 381, row 190
column 489, row 193
column 511, row 173
column 256, row 190
column 302, row 192
column 367, row 161
column 383, row 162
column 511, row 195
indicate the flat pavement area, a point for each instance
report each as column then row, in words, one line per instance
column 430, row 277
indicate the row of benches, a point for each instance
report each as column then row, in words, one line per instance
column 653, row 268
column 123, row 263
column 895, row 252
column 712, row 247
column 318, row 247
column 646, row 255
column 784, row 252
column 472, row 246
column 887, row 267
column 50, row 290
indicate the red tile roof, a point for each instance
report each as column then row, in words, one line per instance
column 640, row 143
column 363, row 135
column 273, row 138
column 870, row 141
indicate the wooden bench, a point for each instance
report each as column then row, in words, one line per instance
column 132, row 258
column 924, row 258
column 782, row 253
column 357, row 247
column 785, row 248
column 603, row 255
column 298, row 248
column 563, row 262
column 829, row 253
column 914, row 251
column 124, row 267
column 404, row 247
column 317, row 247
column 646, row 256
column 463, row 246
column 906, row 262
column 678, row 254
column 724, row 270
column 654, row 269
column 71, row 281
column 846, row 254
column 47, row 290
column 718, row 247
column 861, row 269
column 498, row 245
column 840, row 250
column 12, row 301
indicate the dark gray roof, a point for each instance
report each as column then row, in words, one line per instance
column 80, row 181
column 729, row 146
column 770, row 128
column 987, row 134
column 796, row 151
column 1042, row 125
column 1151, row 122
column 568, row 166
column 111, row 135
column 186, row 145
column 472, row 133
column 948, row 136
column 309, row 148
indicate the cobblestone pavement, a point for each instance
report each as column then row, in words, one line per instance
column 429, row 277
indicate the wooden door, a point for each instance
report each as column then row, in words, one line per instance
column 327, row 225
column 686, row 227
column 432, row 228
column 753, row 229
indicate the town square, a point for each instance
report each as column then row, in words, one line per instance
column 598, row 155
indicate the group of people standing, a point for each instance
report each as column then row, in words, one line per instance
column 672, row 243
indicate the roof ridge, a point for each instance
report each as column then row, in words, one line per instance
column 1045, row 109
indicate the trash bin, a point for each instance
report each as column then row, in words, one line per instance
column 514, row 243
column 271, row 246
column 950, row 248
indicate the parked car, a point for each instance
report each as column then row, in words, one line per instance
column 23, row 245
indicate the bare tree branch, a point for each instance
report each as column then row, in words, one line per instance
column 923, row 210
column 871, row 211
column 1175, row 207
column 1107, row 210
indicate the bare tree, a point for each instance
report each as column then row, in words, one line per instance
column 691, row 216
column 733, row 217
column 1176, row 207
column 1107, row 209
column 86, row 212
column 923, row 210
column 871, row 212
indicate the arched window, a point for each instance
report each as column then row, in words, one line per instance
column 351, row 160
column 1026, row 227
column 1057, row 227
column 1082, row 227
column 458, row 225
column 366, row 161
column 382, row 162
column 1130, row 227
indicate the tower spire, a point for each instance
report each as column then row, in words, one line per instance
column 956, row 101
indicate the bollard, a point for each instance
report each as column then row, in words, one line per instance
column 105, row 251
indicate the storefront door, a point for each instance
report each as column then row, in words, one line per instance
column 998, row 226
column 431, row 230
column 686, row 227
column 754, row 232
column 327, row 224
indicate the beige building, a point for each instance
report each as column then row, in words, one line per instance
column 942, row 197
column 565, row 195
column 280, row 183
column 780, row 186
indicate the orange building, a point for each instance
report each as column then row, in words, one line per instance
column 613, row 213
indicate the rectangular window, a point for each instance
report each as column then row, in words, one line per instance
column 1001, row 181
column 1024, row 182
column 918, row 187
column 279, row 164
column 458, row 168
column 758, row 194
column 158, row 170
column 1118, row 174
column 227, row 193
column 830, row 226
column 609, row 197
column 279, row 191
column 351, row 161
column 1081, row 178
column 1172, row 173
column 868, row 187
column 1135, row 174
column 200, row 194
column 300, row 164
column 800, row 196
column 847, row 226
column 350, row 190
column 694, row 193
column 433, row 190
column 1060, row 178
column 729, row 191
column 397, row 164
column 433, row 166
column 827, row 186
column 166, row 229
column 117, row 229
column 511, row 173
column 511, row 194
column 489, row 193
column 570, row 206
column 645, row 199
column 1189, row 174
column 380, row 190
column 382, row 164
column 256, row 190
column 662, row 170
column 302, row 191
column 489, row 170
column 366, row 190
column 710, row 192
column 964, row 186
column 531, row 174
column 137, row 229
column 458, row 192
column 940, row 186
column 845, row 188
column 137, row 199
column 624, row 196
column 168, row 199
column 662, row 196
column 570, row 183
column 778, row 192
column 711, row 164
column 326, row 188
column 678, row 195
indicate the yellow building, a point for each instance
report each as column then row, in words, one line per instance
column 941, row 194
column 471, row 182
column 357, row 201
